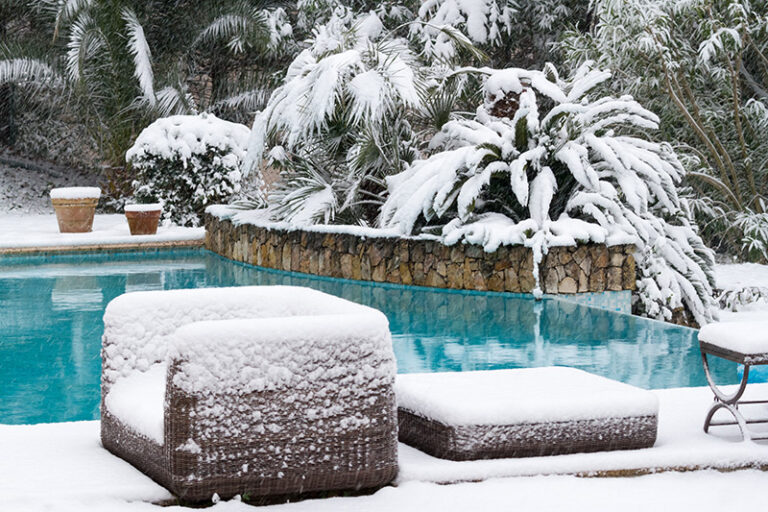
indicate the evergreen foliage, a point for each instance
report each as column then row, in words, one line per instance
column 188, row 162
column 545, row 162
column 702, row 66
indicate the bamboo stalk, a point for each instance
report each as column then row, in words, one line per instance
column 747, row 166
column 715, row 183
column 699, row 131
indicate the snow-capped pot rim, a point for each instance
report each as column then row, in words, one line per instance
column 75, row 193
column 150, row 207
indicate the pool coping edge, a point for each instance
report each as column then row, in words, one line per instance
column 168, row 244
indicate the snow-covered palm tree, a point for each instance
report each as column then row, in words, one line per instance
column 106, row 68
column 126, row 64
column 544, row 163
column 337, row 125
column 243, row 50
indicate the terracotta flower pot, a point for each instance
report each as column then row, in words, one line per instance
column 143, row 218
column 75, row 208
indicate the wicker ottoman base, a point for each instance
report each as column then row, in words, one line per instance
column 525, row 440
column 438, row 437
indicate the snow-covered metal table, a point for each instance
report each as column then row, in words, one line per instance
column 741, row 342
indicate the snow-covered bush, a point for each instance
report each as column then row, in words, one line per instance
column 187, row 163
column 544, row 164
column 702, row 66
column 483, row 21
column 510, row 31
column 753, row 227
column 336, row 126
column 751, row 297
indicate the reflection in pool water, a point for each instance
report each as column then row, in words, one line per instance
column 51, row 326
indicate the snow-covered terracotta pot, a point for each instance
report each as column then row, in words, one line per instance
column 143, row 218
column 75, row 207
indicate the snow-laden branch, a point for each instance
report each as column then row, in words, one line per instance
column 142, row 56
column 544, row 164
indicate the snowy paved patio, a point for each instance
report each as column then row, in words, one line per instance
column 32, row 232
column 63, row 467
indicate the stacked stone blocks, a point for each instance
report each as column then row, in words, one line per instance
column 410, row 261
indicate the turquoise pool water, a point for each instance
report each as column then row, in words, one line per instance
column 51, row 324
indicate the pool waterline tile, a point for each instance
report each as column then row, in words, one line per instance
column 617, row 301
column 101, row 248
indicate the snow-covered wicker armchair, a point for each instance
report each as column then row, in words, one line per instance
column 264, row 391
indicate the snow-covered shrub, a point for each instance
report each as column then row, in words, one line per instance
column 701, row 66
column 753, row 227
column 751, row 297
column 187, row 163
column 483, row 21
column 510, row 31
column 336, row 126
column 544, row 164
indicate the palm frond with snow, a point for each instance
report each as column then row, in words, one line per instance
column 245, row 26
column 24, row 70
column 142, row 57
column 63, row 11
column 544, row 163
column 85, row 41
column 175, row 101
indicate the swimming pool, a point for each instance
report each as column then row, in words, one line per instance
column 51, row 309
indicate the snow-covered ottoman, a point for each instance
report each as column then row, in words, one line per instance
column 522, row 413
column 259, row 391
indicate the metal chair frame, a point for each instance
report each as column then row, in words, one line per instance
column 732, row 402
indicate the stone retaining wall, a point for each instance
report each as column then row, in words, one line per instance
column 585, row 268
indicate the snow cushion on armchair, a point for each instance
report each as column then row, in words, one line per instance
column 522, row 413
column 265, row 391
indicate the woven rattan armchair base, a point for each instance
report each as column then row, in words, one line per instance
column 355, row 464
column 291, row 393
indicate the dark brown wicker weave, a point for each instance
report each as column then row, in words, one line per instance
column 367, row 459
column 526, row 439
column 235, row 454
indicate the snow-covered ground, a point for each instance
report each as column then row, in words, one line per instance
column 25, row 191
column 741, row 275
column 63, row 467
column 751, row 277
column 700, row 491
column 27, row 219
column 17, row 231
